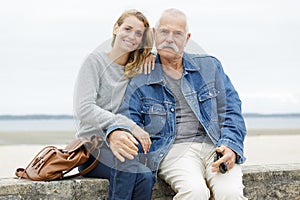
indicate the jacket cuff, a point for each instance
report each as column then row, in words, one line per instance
column 113, row 128
column 240, row 158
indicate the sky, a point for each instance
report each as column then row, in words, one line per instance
column 43, row 44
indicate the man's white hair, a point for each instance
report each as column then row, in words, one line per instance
column 173, row 11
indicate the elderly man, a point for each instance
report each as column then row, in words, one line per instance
column 192, row 112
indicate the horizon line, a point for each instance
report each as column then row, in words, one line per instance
column 70, row 116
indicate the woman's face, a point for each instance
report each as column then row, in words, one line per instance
column 129, row 35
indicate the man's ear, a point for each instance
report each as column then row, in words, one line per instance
column 188, row 36
column 153, row 31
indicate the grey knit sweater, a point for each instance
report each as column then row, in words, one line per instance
column 99, row 90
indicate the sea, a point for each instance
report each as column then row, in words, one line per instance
column 38, row 125
column 69, row 124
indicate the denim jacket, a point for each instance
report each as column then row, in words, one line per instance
column 150, row 103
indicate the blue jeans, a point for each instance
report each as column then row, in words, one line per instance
column 130, row 180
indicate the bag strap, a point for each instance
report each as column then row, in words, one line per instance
column 21, row 173
column 86, row 170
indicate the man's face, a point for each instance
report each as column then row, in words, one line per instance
column 171, row 36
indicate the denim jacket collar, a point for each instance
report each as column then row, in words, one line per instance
column 156, row 76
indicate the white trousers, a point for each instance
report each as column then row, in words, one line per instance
column 187, row 168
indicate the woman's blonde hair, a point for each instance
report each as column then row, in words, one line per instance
column 137, row 57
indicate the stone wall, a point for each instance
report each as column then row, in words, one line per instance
column 261, row 182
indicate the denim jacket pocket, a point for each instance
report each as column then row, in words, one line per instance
column 207, row 94
column 208, row 103
column 155, row 117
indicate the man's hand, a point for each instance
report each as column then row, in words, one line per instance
column 229, row 157
column 123, row 144
column 143, row 137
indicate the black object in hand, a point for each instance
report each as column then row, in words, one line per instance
column 223, row 166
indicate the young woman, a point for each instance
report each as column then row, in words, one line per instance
column 99, row 90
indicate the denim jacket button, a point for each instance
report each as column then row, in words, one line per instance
column 161, row 155
column 172, row 109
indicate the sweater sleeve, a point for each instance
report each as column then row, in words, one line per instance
column 86, row 109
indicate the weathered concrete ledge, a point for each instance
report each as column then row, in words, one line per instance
column 261, row 182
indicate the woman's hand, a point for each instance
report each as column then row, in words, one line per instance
column 123, row 144
column 143, row 137
column 149, row 64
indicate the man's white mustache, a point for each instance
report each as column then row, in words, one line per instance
column 168, row 45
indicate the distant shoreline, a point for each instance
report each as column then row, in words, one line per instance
column 67, row 116
column 257, row 115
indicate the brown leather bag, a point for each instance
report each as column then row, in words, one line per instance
column 52, row 163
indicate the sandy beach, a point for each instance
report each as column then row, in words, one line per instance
column 262, row 146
